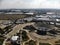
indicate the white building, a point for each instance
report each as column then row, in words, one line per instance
column 50, row 12
column 14, row 38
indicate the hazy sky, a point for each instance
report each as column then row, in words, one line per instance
column 6, row 4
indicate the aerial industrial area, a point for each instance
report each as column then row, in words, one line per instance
column 30, row 27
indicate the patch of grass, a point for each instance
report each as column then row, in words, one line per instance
column 44, row 44
column 24, row 36
column 57, row 41
column 1, row 41
column 57, row 44
column 31, row 42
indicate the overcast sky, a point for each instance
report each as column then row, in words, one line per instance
column 7, row 4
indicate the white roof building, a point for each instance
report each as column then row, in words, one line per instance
column 50, row 12
column 14, row 38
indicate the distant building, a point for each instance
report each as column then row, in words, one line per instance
column 14, row 13
column 29, row 13
column 29, row 18
column 20, row 21
column 6, row 22
column 50, row 12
